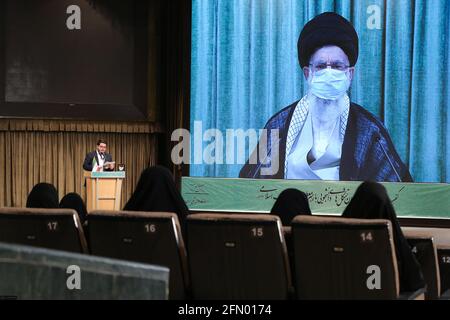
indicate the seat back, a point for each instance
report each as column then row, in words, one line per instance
column 147, row 237
column 337, row 258
column 37, row 273
column 58, row 229
column 425, row 251
column 237, row 256
column 444, row 267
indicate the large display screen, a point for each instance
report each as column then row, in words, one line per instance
column 273, row 96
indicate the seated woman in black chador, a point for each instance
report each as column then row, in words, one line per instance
column 73, row 201
column 156, row 191
column 43, row 195
column 371, row 201
column 290, row 203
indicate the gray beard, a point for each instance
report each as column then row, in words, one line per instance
column 323, row 110
column 324, row 117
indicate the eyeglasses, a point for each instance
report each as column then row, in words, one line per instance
column 335, row 66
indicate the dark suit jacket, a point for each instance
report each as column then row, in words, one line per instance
column 363, row 157
column 87, row 164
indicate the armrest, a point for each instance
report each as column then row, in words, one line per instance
column 445, row 295
column 413, row 295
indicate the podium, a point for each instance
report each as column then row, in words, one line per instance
column 103, row 190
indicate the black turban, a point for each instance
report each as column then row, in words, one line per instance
column 327, row 29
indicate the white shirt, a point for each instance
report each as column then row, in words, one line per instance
column 100, row 163
column 324, row 154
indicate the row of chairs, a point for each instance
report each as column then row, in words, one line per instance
column 241, row 256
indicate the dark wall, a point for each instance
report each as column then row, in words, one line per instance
column 99, row 71
column 176, row 63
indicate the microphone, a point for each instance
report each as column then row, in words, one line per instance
column 261, row 163
column 378, row 138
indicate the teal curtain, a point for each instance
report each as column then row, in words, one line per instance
column 244, row 69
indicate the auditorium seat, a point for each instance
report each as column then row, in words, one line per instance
column 441, row 236
column 338, row 258
column 237, row 256
column 58, row 229
column 146, row 237
column 425, row 251
column 444, row 269
column 30, row 273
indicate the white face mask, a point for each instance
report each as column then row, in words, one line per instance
column 329, row 84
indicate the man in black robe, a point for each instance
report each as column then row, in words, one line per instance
column 324, row 135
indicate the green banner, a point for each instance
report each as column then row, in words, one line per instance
column 429, row 200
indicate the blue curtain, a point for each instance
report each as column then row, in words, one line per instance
column 244, row 69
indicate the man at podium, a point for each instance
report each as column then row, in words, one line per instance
column 99, row 160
